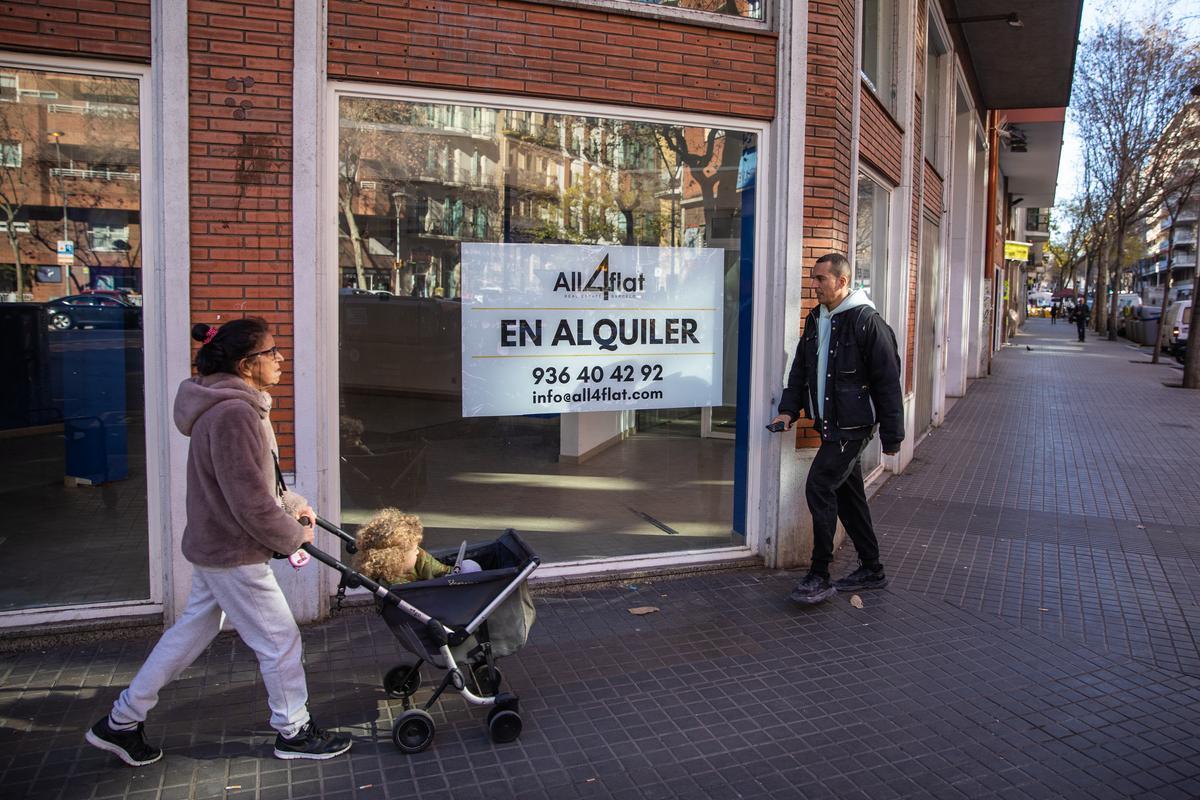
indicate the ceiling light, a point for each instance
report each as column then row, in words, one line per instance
column 1013, row 19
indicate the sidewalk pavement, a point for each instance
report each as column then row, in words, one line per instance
column 1039, row 639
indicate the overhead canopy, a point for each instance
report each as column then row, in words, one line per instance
column 1029, row 153
column 1026, row 67
column 1025, row 74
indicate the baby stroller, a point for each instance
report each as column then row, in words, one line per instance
column 461, row 623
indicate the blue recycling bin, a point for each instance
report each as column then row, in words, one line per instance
column 94, row 405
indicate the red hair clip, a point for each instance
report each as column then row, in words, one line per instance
column 208, row 337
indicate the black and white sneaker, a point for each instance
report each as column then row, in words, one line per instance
column 812, row 590
column 312, row 742
column 862, row 579
column 130, row 746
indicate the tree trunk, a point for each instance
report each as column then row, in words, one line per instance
column 20, row 269
column 1099, row 318
column 1113, row 323
column 355, row 242
column 1191, row 364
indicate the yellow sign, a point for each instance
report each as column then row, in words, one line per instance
column 1016, row 251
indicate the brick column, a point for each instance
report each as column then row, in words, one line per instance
column 241, row 151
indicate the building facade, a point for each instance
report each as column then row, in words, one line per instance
column 373, row 177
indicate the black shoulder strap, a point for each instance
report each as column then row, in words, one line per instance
column 280, row 486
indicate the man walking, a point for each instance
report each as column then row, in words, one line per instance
column 1080, row 315
column 846, row 377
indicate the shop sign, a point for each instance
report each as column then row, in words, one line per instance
column 66, row 253
column 550, row 328
column 1016, row 251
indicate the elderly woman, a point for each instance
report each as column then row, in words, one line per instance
column 238, row 515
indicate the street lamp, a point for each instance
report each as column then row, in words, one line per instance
column 62, row 187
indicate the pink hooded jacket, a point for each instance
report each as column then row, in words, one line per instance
column 235, row 516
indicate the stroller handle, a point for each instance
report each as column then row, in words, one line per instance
column 351, row 543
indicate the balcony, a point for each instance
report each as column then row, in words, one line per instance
column 94, row 174
column 117, row 110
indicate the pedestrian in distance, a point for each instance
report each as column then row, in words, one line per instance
column 239, row 514
column 1080, row 318
column 846, row 378
column 1054, row 313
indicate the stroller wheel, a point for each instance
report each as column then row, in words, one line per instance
column 504, row 725
column 487, row 680
column 402, row 681
column 413, row 731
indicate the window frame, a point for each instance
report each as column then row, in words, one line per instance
column 317, row 355
column 165, row 305
column 707, row 19
column 888, row 10
column 941, row 114
column 11, row 147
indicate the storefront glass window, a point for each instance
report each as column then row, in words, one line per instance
column 418, row 182
column 72, row 455
column 747, row 9
column 870, row 265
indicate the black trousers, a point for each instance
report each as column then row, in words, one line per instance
column 1081, row 327
column 835, row 491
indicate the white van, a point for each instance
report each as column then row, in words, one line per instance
column 1177, row 322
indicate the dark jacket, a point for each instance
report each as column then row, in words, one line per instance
column 862, row 386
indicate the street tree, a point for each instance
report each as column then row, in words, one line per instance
column 1131, row 80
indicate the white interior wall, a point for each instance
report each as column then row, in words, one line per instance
column 587, row 434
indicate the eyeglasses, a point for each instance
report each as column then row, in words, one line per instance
column 273, row 352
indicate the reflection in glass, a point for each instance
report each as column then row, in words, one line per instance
column 750, row 9
column 870, row 266
column 415, row 182
column 72, row 460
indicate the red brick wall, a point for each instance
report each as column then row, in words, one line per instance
column 828, row 181
column 880, row 138
column 114, row 29
column 241, row 172
column 933, row 192
column 553, row 51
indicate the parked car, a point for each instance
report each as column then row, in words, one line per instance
column 1177, row 322
column 128, row 295
column 92, row 311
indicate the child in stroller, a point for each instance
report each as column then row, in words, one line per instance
column 460, row 622
column 390, row 552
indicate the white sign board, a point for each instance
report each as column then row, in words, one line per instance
column 66, row 253
column 551, row 328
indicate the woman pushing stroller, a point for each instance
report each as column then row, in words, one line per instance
column 238, row 515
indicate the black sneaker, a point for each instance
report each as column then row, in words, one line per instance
column 862, row 579
column 812, row 590
column 312, row 742
column 130, row 746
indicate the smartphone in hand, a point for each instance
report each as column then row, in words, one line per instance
column 777, row 427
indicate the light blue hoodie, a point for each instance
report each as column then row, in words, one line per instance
column 824, row 326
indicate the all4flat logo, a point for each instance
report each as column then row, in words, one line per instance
column 601, row 281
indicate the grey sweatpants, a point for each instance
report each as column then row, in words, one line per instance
column 252, row 600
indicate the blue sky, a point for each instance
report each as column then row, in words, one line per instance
column 1070, row 167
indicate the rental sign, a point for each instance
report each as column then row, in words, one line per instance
column 550, row 328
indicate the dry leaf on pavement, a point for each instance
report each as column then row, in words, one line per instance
column 856, row 601
column 641, row 611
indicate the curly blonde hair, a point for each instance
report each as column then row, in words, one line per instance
column 385, row 542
